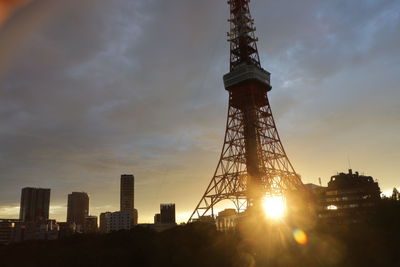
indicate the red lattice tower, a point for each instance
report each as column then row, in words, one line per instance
column 253, row 162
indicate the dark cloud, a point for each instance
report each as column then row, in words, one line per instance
column 93, row 90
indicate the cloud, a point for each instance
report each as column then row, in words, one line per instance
column 10, row 211
column 89, row 91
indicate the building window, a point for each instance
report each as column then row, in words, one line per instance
column 332, row 207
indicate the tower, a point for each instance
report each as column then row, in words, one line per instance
column 253, row 162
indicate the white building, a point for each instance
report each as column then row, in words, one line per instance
column 115, row 221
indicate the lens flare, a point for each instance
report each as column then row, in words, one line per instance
column 300, row 236
column 274, row 207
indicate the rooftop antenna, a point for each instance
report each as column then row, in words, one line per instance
column 348, row 160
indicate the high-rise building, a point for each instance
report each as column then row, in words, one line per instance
column 115, row 221
column 35, row 204
column 127, row 200
column 167, row 212
column 78, row 208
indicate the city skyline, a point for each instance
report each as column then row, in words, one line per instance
column 81, row 108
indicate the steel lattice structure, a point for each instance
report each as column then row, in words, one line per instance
column 253, row 162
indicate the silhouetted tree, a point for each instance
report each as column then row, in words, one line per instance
column 374, row 242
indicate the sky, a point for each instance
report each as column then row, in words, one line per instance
column 93, row 89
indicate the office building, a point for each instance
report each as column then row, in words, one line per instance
column 78, row 208
column 167, row 213
column 127, row 196
column 115, row 221
column 35, row 203
column 349, row 197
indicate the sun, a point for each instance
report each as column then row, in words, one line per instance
column 274, row 207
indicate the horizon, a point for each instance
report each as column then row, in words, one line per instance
column 60, row 211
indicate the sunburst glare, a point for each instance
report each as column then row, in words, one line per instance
column 274, row 207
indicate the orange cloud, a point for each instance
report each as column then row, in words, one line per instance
column 8, row 7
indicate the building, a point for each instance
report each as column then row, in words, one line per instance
column 157, row 218
column 167, row 213
column 78, row 209
column 104, row 223
column 226, row 220
column 164, row 220
column 18, row 232
column 35, row 204
column 135, row 216
column 66, row 229
column 349, row 197
column 23, row 231
column 127, row 201
column 127, row 196
column 115, row 221
column 6, row 230
column 90, row 224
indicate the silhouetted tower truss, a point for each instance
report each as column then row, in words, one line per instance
column 253, row 162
